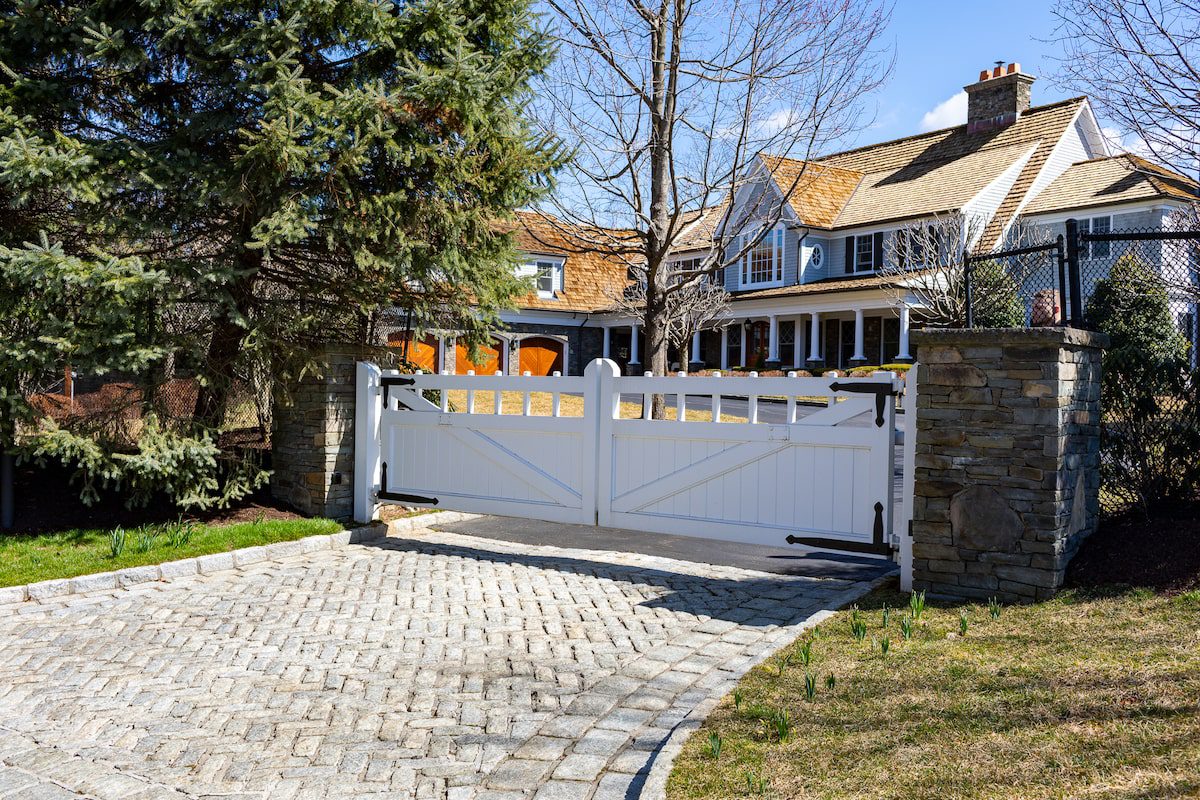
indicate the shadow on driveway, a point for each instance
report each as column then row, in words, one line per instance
column 751, row 601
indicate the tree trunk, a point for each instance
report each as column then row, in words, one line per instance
column 223, row 351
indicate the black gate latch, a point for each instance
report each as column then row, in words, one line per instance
column 881, row 391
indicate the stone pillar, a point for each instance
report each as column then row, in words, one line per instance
column 312, row 440
column 1007, row 466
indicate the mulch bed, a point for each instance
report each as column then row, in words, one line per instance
column 1162, row 553
column 47, row 502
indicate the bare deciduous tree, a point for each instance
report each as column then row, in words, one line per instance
column 1139, row 62
column 925, row 262
column 667, row 107
column 696, row 306
column 1181, row 257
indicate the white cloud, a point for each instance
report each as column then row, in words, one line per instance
column 946, row 114
column 1117, row 143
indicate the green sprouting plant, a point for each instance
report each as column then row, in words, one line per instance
column 830, row 681
column 906, row 627
column 755, row 783
column 781, row 663
column 116, row 541
column 757, row 711
column 816, row 634
column 858, row 628
column 738, row 697
column 810, row 685
column 805, row 654
column 780, row 723
column 714, row 744
column 962, row 624
column 916, row 604
column 180, row 533
column 994, row 607
column 885, row 644
column 258, row 520
column 887, row 614
column 145, row 540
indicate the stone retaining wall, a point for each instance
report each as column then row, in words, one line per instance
column 1007, row 459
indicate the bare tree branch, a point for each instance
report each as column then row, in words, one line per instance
column 1139, row 62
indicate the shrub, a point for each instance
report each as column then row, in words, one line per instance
column 189, row 468
column 1150, row 399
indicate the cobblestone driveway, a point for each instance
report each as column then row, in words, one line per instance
column 431, row 666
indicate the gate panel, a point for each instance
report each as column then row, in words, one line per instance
column 821, row 478
column 466, row 457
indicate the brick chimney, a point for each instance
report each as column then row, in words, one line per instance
column 998, row 99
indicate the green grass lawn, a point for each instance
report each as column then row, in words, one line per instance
column 1082, row 696
column 27, row 559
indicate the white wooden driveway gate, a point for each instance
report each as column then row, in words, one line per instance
column 821, row 479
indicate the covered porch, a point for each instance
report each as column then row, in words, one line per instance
column 783, row 339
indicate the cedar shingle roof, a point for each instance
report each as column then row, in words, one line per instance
column 1122, row 178
column 937, row 171
column 589, row 277
column 818, row 192
column 697, row 228
column 846, row 283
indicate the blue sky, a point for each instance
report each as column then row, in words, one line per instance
column 941, row 47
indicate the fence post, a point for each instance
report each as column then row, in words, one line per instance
column 601, row 405
column 967, row 288
column 368, row 403
column 1073, row 273
column 1062, row 280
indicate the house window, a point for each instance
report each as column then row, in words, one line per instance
column 1097, row 225
column 816, row 256
column 547, row 275
column 864, row 253
column 763, row 264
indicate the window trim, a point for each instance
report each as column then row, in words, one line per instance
column 1093, row 247
column 776, row 239
column 535, row 266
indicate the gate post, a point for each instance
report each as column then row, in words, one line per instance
column 1007, row 465
column 368, row 405
column 601, row 405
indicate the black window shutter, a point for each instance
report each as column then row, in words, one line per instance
column 877, row 252
column 901, row 248
column 849, row 254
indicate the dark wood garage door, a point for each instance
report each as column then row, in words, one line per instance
column 541, row 356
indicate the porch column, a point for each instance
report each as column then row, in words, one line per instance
column 725, row 349
column 696, row 362
column 634, row 361
column 773, row 342
column 814, row 340
column 903, row 355
column 858, row 357
column 607, row 338
column 798, row 344
column 745, row 344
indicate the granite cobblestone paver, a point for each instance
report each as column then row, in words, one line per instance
column 432, row 665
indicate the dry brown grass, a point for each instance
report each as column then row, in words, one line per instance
column 1094, row 697
column 541, row 405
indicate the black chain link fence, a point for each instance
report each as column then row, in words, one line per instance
column 1141, row 288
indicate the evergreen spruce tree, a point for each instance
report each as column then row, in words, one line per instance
column 265, row 173
column 289, row 165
